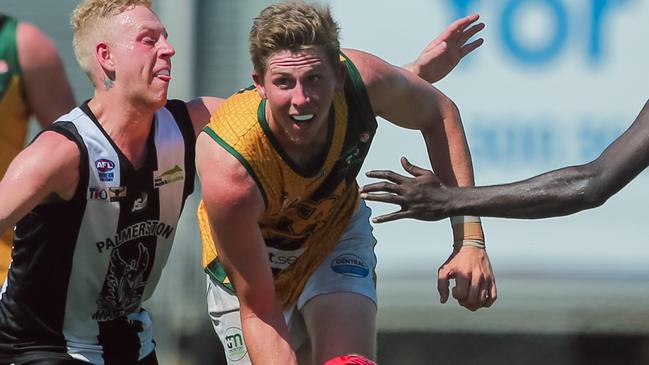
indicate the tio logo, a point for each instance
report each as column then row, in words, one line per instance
column 97, row 194
column 594, row 17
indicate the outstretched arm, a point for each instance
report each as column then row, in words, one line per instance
column 28, row 181
column 410, row 102
column 437, row 59
column 445, row 52
column 47, row 89
column 234, row 205
column 555, row 193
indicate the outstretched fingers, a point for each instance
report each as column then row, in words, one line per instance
column 470, row 47
column 467, row 34
column 379, row 187
column 387, row 175
column 462, row 23
column 391, row 217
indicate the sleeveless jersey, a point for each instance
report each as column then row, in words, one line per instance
column 306, row 211
column 15, row 115
column 82, row 268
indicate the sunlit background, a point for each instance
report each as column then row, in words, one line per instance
column 554, row 83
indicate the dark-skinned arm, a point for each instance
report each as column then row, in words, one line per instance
column 556, row 193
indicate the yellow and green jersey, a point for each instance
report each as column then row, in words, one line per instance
column 15, row 115
column 306, row 211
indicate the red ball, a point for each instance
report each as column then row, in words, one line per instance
column 350, row 360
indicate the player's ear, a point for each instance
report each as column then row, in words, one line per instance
column 341, row 73
column 258, row 79
column 104, row 56
column 105, row 59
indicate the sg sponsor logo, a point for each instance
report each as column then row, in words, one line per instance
column 281, row 259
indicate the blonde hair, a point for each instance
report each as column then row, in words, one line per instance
column 91, row 21
column 293, row 26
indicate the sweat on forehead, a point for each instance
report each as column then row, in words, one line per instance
column 91, row 20
column 89, row 11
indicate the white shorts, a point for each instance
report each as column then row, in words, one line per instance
column 350, row 267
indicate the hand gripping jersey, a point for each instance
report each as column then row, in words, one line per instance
column 306, row 211
column 82, row 268
column 15, row 115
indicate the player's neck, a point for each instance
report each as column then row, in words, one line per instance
column 309, row 159
column 127, row 125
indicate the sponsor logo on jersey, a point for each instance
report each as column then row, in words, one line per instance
column 172, row 175
column 364, row 137
column 105, row 169
column 353, row 156
column 235, row 348
column 350, row 265
column 281, row 259
column 138, row 230
column 140, row 203
column 288, row 202
column 108, row 194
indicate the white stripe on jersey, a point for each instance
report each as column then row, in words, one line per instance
column 91, row 266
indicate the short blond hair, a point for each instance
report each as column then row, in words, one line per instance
column 90, row 21
column 293, row 26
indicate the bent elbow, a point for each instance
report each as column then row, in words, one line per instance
column 593, row 198
column 596, row 191
column 449, row 109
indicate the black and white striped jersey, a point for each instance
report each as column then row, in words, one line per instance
column 82, row 268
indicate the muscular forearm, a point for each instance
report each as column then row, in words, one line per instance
column 556, row 193
column 564, row 191
column 267, row 342
column 427, row 196
column 451, row 161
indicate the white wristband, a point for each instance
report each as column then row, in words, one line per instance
column 471, row 243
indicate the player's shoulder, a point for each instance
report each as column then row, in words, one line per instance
column 33, row 45
column 226, row 183
column 57, row 144
column 241, row 107
column 373, row 70
column 243, row 100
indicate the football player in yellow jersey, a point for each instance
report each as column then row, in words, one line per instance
column 282, row 224
column 32, row 82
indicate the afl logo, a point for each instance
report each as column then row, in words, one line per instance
column 104, row 165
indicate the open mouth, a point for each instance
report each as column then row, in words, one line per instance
column 304, row 118
column 164, row 74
